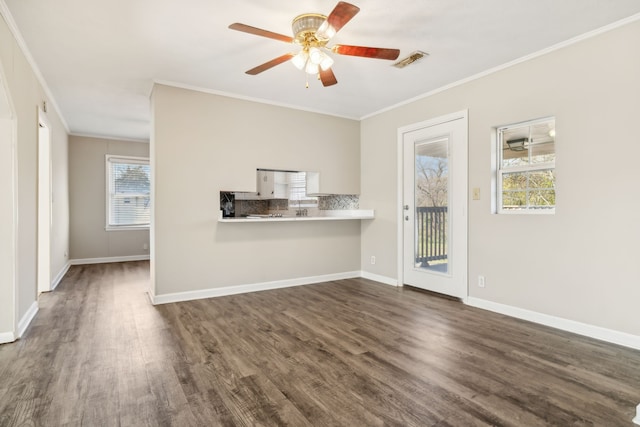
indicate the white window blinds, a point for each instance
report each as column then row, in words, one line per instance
column 298, row 191
column 128, row 189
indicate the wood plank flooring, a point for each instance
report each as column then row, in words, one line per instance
column 344, row 353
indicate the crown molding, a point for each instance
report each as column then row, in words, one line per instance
column 553, row 48
column 13, row 27
column 111, row 138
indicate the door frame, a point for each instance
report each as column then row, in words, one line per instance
column 464, row 115
column 45, row 204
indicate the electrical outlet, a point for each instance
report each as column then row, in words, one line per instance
column 373, row 260
column 481, row 281
column 145, row 246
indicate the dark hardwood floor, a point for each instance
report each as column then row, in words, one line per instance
column 344, row 353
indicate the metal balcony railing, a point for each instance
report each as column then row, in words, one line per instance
column 431, row 225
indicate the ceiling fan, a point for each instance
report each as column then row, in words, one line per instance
column 312, row 32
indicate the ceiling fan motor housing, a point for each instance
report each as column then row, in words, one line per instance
column 304, row 29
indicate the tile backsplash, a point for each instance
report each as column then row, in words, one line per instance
column 251, row 207
column 336, row 202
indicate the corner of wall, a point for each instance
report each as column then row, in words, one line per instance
column 27, row 318
column 378, row 278
column 7, row 337
column 56, row 280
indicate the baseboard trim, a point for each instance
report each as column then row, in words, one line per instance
column 56, row 280
column 591, row 331
column 254, row 287
column 105, row 260
column 27, row 318
column 378, row 278
column 151, row 297
column 7, row 337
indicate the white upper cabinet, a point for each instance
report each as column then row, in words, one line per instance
column 273, row 185
column 270, row 185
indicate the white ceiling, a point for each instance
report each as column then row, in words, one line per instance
column 100, row 58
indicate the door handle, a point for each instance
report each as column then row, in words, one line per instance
column 406, row 207
column 406, row 218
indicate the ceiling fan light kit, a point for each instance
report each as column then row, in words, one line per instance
column 306, row 25
column 517, row 144
column 312, row 31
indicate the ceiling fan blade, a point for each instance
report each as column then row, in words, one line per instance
column 339, row 16
column 327, row 77
column 264, row 67
column 260, row 32
column 367, row 52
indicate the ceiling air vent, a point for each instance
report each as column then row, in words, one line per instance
column 415, row 56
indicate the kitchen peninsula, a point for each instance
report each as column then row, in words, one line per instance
column 288, row 196
column 330, row 215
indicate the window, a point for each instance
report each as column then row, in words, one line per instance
column 127, row 192
column 526, row 177
column 298, row 191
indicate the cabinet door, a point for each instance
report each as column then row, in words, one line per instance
column 281, row 185
column 246, row 196
column 265, row 184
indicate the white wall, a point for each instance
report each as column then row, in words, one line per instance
column 27, row 95
column 579, row 264
column 89, row 239
column 60, row 244
column 205, row 143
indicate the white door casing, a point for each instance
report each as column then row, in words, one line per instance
column 44, row 203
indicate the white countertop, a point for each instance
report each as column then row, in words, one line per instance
column 334, row 215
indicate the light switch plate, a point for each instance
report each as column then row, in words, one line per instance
column 476, row 193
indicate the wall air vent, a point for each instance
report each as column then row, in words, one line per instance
column 415, row 56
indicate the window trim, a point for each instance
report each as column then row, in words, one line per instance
column 500, row 170
column 114, row 158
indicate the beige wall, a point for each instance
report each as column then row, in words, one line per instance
column 89, row 239
column 27, row 95
column 203, row 144
column 7, row 217
column 579, row 264
column 60, row 200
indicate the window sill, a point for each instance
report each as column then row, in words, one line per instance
column 527, row 212
column 127, row 228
